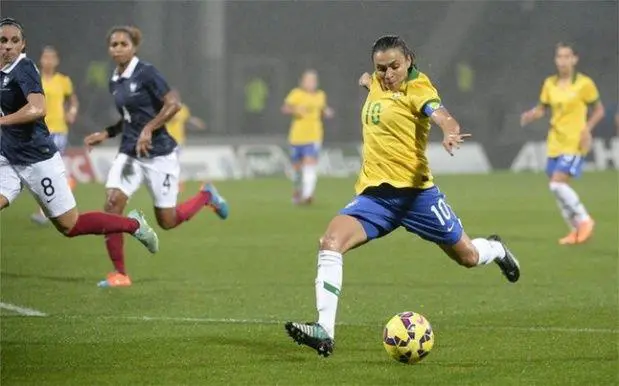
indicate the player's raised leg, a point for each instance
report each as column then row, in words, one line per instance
column 431, row 217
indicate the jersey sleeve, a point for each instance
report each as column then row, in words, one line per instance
column 424, row 97
column 292, row 98
column 67, row 86
column 29, row 80
column 155, row 83
column 589, row 92
column 544, row 96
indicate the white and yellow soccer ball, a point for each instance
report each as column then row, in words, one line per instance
column 408, row 337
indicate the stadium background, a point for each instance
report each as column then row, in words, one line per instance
column 235, row 61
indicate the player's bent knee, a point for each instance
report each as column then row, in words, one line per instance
column 328, row 242
column 114, row 202
column 4, row 202
column 66, row 222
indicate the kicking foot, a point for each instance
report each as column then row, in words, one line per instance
column 509, row 264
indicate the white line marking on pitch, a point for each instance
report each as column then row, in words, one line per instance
column 21, row 310
column 281, row 322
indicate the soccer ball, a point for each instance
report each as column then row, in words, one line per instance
column 408, row 337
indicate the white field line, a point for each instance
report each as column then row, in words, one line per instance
column 21, row 310
column 576, row 330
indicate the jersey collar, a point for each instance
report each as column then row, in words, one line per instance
column 128, row 71
column 9, row 67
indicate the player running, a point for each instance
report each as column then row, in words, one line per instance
column 147, row 151
column 568, row 94
column 307, row 105
column 58, row 89
column 395, row 186
column 29, row 157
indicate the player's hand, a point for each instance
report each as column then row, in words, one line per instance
column 365, row 80
column 144, row 144
column 585, row 141
column 452, row 141
column 527, row 117
column 95, row 139
column 328, row 112
column 70, row 116
column 301, row 111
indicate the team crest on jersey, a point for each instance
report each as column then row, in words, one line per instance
column 133, row 86
column 396, row 95
column 5, row 81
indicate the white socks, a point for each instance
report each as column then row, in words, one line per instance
column 488, row 250
column 572, row 210
column 309, row 181
column 328, row 287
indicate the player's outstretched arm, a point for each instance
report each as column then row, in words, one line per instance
column 365, row 81
column 32, row 111
column 452, row 138
column 532, row 115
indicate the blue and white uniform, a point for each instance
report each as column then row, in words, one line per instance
column 28, row 155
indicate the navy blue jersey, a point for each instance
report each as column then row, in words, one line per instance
column 27, row 143
column 138, row 93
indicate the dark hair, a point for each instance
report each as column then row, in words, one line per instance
column 393, row 41
column 12, row 22
column 135, row 35
column 566, row 45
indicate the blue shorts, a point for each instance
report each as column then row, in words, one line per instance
column 298, row 152
column 568, row 164
column 424, row 212
column 61, row 141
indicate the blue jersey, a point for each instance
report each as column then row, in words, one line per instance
column 138, row 93
column 27, row 143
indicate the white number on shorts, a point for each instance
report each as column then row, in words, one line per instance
column 442, row 213
column 126, row 115
column 48, row 188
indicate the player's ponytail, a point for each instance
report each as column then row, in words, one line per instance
column 386, row 42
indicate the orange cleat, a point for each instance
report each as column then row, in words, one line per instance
column 570, row 239
column 115, row 279
column 585, row 230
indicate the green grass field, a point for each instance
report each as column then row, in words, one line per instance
column 210, row 307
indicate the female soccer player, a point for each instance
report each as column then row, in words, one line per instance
column 307, row 105
column 58, row 89
column 29, row 157
column 567, row 94
column 395, row 186
column 147, row 151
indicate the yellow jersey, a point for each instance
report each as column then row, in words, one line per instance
column 569, row 112
column 307, row 127
column 56, row 89
column 176, row 125
column 395, row 134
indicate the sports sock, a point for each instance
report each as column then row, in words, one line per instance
column 189, row 208
column 99, row 223
column 328, row 287
column 114, row 243
column 309, row 180
column 488, row 250
column 568, row 198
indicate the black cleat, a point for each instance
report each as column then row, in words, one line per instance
column 509, row 264
column 312, row 335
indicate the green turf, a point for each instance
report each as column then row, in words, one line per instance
column 557, row 326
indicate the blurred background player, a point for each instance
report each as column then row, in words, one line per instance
column 568, row 94
column 307, row 105
column 395, row 186
column 62, row 108
column 147, row 151
column 178, row 125
column 29, row 157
